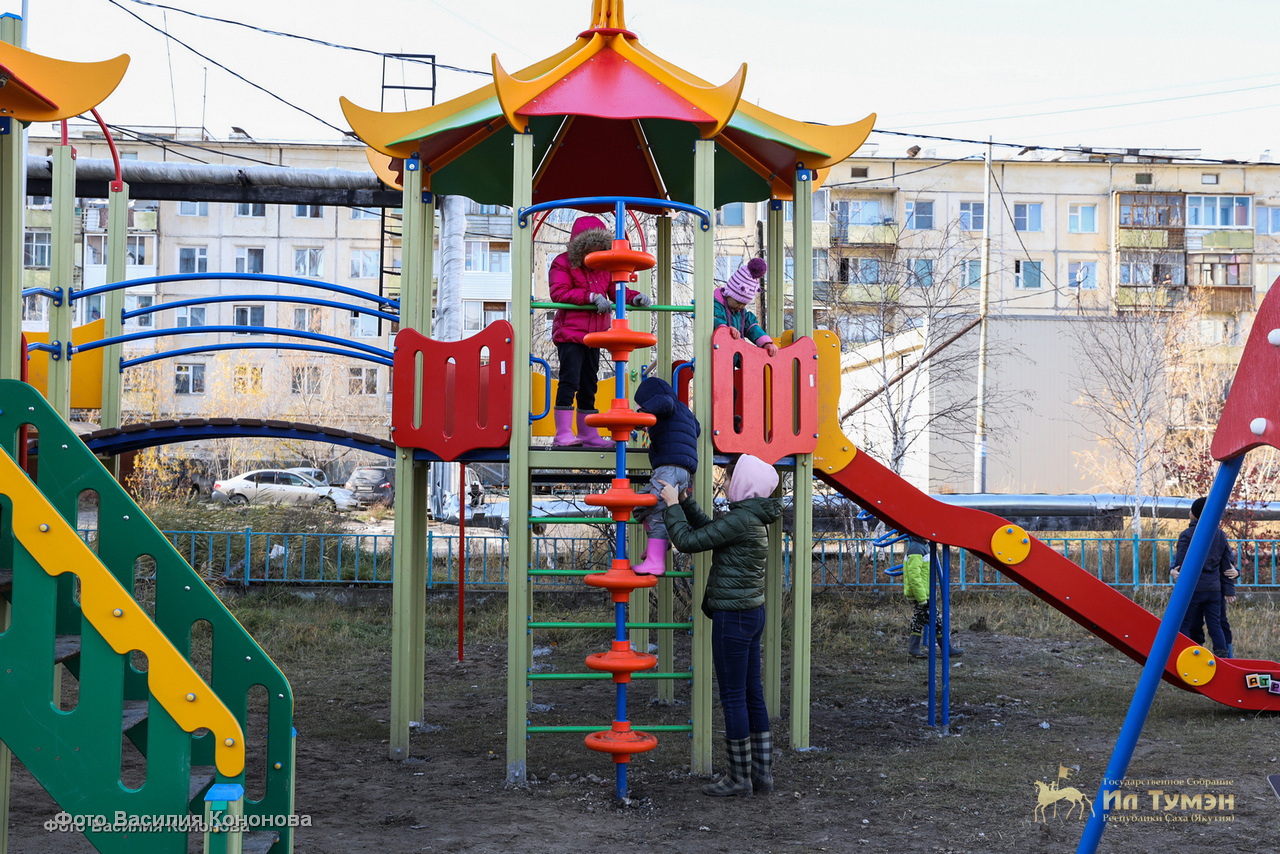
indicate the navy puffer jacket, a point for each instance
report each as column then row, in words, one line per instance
column 673, row 441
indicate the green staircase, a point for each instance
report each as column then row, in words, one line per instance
column 191, row 737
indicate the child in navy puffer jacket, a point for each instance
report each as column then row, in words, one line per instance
column 673, row 456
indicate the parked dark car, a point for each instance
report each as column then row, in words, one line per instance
column 373, row 484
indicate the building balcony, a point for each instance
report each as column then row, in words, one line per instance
column 1229, row 240
column 1149, row 296
column 885, row 234
column 853, row 293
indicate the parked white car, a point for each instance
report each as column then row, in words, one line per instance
column 273, row 486
column 317, row 475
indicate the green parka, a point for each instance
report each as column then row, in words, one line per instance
column 739, row 542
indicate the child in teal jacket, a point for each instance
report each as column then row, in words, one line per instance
column 915, row 584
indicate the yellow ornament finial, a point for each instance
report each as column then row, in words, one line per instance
column 607, row 14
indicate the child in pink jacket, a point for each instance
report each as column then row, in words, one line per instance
column 572, row 282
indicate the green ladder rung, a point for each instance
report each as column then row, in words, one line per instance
column 603, row 625
column 576, row 520
column 630, row 308
column 637, row 727
column 570, row 677
column 581, row 572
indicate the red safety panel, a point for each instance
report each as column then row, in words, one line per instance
column 1251, row 417
column 768, row 405
column 465, row 405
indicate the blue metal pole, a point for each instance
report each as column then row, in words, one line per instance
column 926, row 635
column 944, row 586
column 1214, row 506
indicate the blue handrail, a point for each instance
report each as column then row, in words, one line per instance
column 54, row 294
column 254, row 345
column 45, row 348
column 235, row 330
column 675, row 375
column 889, row 538
column 616, row 201
column 162, row 306
column 546, row 409
column 236, row 277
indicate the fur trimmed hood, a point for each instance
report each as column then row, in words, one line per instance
column 589, row 235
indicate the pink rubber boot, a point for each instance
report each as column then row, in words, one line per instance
column 564, row 430
column 589, row 436
column 655, row 558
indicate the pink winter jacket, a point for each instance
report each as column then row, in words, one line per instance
column 575, row 285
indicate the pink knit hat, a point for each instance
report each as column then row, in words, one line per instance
column 744, row 284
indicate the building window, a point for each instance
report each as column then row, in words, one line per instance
column 362, row 380
column 1026, row 274
column 308, row 263
column 364, row 263
column 247, row 379
column 920, row 215
column 133, row 302
column 858, row 172
column 1268, row 220
column 1218, row 211
column 193, row 259
column 40, row 202
column 1027, row 217
column 1223, row 270
column 365, row 213
column 37, row 248
column 305, row 380
column 188, row 379
column 1142, row 178
column 1143, row 210
column 860, row 271
column 858, row 212
column 89, row 309
column 250, row 315
column 307, row 319
column 364, row 325
column 1208, row 177
column 483, row 257
column 251, row 209
column 250, row 259
column 138, row 250
column 189, row 315
column 1083, row 275
column 95, row 250
column 193, row 208
column 821, row 207
column 920, row 272
column 732, row 214
column 308, row 211
column 34, row 308
column 1082, row 219
column 972, row 272
column 972, row 216
column 477, row 209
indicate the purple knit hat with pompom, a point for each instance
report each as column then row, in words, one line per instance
column 744, row 284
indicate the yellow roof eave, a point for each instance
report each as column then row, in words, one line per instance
column 71, row 87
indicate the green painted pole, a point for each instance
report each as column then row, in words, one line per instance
column 802, row 559
column 776, row 288
column 13, row 171
column 112, row 305
column 408, row 614
column 520, row 560
column 665, row 355
column 703, row 489
column 62, row 276
column 6, row 757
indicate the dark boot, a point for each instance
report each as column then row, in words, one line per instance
column 916, row 649
column 737, row 778
column 762, row 761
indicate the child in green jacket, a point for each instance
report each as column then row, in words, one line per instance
column 915, row 584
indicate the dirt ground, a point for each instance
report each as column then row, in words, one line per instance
column 1032, row 694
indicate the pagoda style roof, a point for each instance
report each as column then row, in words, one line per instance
column 42, row 89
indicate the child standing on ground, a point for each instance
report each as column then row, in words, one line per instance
column 731, row 303
column 1222, row 557
column 571, row 281
column 915, row 584
column 673, row 456
column 734, row 601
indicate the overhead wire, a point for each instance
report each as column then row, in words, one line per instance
column 1069, row 149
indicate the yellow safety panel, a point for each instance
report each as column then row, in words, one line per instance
column 43, row 89
column 122, row 623
column 1196, row 665
column 86, row 368
column 1010, row 544
column 834, row 450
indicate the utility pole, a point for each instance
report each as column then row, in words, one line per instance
column 980, row 431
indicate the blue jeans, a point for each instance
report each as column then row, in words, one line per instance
column 735, row 650
column 1206, row 607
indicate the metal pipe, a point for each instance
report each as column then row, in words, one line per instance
column 237, row 277
column 254, row 345
column 162, row 306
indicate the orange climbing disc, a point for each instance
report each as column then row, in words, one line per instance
column 620, row 339
column 621, row 499
column 621, row 741
column 621, row 661
column 620, row 580
column 621, row 261
column 621, row 419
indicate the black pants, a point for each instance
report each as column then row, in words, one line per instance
column 1206, row 607
column 1197, row 633
column 579, row 365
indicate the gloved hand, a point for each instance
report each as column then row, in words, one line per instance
column 641, row 301
column 734, row 334
column 771, row 348
column 602, row 302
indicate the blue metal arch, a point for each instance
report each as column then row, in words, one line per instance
column 619, row 203
column 234, row 330
column 236, row 277
column 254, row 345
column 162, row 306
column 137, row 440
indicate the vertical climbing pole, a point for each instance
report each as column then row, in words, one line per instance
column 775, row 284
column 666, row 595
column 113, row 305
column 802, row 504
column 704, row 152
column 519, row 531
column 61, row 276
column 13, row 170
column 13, row 162
column 408, row 616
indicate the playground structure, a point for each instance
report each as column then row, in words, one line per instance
column 603, row 125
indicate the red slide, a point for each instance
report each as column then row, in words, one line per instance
column 1107, row 613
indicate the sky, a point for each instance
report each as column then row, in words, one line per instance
column 1102, row 73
